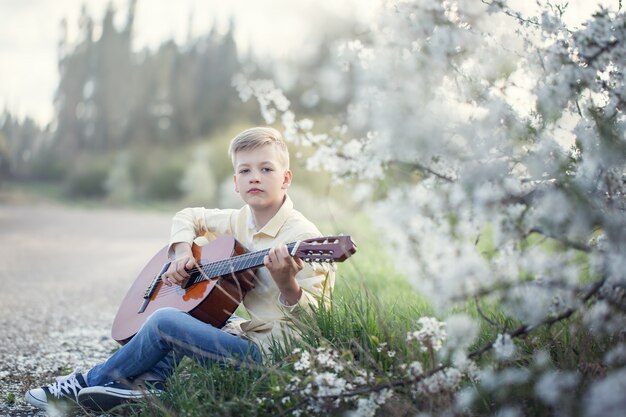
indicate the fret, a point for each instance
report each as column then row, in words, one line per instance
column 251, row 261
column 221, row 268
column 211, row 270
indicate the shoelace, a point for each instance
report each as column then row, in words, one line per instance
column 65, row 384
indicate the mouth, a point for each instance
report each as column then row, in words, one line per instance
column 254, row 191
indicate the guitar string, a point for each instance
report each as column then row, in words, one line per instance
column 214, row 268
column 204, row 276
column 234, row 259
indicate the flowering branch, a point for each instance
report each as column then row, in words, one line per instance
column 416, row 378
column 528, row 142
column 589, row 59
column 414, row 165
column 563, row 240
column 482, row 314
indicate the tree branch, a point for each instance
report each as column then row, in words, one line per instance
column 570, row 244
column 482, row 315
column 425, row 169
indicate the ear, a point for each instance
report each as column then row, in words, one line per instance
column 235, row 181
column 287, row 179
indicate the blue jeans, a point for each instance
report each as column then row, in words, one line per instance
column 163, row 340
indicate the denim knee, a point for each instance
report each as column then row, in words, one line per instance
column 163, row 317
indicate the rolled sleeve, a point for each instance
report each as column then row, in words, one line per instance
column 316, row 282
column 192, row 222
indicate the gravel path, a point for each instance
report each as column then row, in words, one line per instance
column 63, row 273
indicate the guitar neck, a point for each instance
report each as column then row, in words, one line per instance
column 237, row 263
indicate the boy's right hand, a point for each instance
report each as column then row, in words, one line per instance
column 177, row 272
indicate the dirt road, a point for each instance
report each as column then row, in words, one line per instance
column 63, row 273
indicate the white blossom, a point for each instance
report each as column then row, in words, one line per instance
column 328, row 359
column 303, row 363
column 431, row 335
column 504, row 347
column 605, row 398
column 617, row 355
column 415, row 369
column 271, row 99
column 461, row 331
column 465, row 398
column 554, row 384
column 444, row 380
column 367, row 407
column 328, row 383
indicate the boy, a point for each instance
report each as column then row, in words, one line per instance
column 262, row 176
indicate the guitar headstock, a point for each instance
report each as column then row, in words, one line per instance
column 325, row 249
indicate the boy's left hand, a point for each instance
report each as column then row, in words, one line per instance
column 283, row 267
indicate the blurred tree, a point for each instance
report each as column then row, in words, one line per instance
column 5, row 160
column 218, row 65
column 21, row 143
column 110, row 73
column 111, row 98
column 109, row 95
column 74, row 116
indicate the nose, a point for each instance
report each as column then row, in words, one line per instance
column 254, row 178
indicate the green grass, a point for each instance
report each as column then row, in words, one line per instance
column 373, row 306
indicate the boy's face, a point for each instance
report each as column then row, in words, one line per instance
column 260, row 178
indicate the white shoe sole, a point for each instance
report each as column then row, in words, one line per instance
column 106, row 398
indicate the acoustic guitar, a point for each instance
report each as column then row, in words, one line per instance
column 216, row 286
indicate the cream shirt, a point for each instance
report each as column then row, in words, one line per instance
column 270, row 318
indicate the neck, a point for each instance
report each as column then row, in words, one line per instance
column 263, row 216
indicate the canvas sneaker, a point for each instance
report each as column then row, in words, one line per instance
column 106, row 397
column 64, row 390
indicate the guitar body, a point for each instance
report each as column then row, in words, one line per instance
column 212, row 300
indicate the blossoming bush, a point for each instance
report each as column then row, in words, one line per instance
column 495, row 143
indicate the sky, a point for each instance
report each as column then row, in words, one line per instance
column 30, row 32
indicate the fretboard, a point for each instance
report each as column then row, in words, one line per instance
column 233, row 265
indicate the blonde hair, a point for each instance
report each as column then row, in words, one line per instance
column 256, row 137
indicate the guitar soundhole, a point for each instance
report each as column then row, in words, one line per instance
column 194, row 278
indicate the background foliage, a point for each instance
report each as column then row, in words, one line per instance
column 131, row 125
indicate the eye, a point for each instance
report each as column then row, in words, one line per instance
column 244, row 171
column 267, row 169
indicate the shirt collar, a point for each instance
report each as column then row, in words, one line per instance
column 272, row 227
